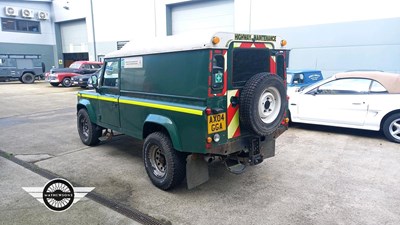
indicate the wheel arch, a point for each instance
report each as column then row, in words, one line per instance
column 387, row 115
column 154, row 123
column 28, row 71
column 85, row 104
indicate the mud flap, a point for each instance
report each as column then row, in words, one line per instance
column 196, row 171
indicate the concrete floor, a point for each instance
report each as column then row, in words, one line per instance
column 320, row 175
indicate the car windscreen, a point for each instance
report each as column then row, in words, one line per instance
column 75, row 65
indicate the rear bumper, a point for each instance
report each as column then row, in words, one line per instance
column 267, row 144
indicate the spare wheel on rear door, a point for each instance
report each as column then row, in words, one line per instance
column 262, row 103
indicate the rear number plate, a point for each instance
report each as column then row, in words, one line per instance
column 216, row 123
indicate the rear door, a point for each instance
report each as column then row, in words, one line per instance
column 109, row 93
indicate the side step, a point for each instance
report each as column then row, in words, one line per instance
column 235, row 166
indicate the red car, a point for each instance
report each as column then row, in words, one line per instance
column 63, row 75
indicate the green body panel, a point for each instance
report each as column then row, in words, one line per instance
column 90, row 105
column 163, row 82
column 187, row 131
column 169, row 126
column 162, row 75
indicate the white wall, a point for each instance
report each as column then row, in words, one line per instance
column 117, row 20
column 46, row 37
column 332, row 48
column 268, row 14
column 294, row 20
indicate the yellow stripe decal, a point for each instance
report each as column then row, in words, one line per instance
column 166, row 107
column 197, row 112
column 87, row 96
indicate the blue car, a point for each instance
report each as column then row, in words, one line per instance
column 302, row 78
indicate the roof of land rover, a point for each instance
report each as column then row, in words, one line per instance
column 184, row 42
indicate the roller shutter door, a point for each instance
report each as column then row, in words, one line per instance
column 74, row 36
column 203, row 16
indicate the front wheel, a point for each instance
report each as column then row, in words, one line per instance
column 165, row 166
column 391, row 128
column 88, row 131
column 66, row 82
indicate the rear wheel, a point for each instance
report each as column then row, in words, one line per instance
column 263, row 103
column 391, row 128
column 165, row 166
column 66, row 82
column 88, row 131
column 28, row 78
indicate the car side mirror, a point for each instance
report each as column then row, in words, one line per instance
column 93, row 78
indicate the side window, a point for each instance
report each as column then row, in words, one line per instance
column 344, row 86
column 218, row 72
column 111, row 73
column 298, row 78
column 377, row 88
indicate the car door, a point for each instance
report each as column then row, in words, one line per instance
column 109, row 93
column 339, row 102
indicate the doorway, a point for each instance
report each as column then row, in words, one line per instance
column 69, row 58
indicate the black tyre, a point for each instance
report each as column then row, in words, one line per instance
column 55, row 84
column 88, row 131
column 262, row 103
column 66, row 82
column 391, row 128
column 165, row 166
column 83, row 87
column 28, row 78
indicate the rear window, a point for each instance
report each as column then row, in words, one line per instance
column 247, row 62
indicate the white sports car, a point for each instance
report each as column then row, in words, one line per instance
column 362, row 100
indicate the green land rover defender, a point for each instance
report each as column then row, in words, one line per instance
column 193, row 100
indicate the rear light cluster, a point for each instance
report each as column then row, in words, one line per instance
column 285, row 121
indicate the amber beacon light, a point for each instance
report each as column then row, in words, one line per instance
column 215, row 40
column 283, row 43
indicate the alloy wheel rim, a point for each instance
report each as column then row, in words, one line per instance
column 394, row 129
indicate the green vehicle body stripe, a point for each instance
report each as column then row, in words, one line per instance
column 193, row 111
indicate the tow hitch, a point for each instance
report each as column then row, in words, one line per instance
column 255, row 156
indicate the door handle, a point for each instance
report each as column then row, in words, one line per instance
column 358, row 103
